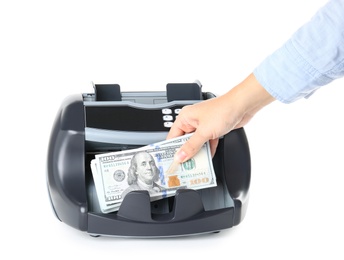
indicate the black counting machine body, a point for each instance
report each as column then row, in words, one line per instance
column 110, row 120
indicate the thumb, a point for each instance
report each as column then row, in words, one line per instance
column 190, row 148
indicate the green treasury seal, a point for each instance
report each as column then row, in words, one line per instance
column 189, row 164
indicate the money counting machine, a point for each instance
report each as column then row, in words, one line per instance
column 110, row 120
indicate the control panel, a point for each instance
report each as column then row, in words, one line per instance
column 110, row 109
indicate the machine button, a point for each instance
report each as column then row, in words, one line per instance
column 177, row 110
column 168, row 124
column 167, row 118
column 166, row 111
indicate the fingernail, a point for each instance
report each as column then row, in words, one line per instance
column 181, row 156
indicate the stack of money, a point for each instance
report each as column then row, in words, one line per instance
column 150, row 168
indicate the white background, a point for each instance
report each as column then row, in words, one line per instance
column 52, row 49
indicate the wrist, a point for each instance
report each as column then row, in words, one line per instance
column 250, row 96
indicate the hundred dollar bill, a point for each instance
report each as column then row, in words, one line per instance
column 149, row 168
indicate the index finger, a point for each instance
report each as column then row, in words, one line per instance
column 175, row 131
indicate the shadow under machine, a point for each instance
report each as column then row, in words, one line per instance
column 109, row 120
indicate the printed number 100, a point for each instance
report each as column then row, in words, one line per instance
column 199, row 181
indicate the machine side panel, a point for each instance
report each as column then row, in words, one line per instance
column 237, row 167
column 66, row 165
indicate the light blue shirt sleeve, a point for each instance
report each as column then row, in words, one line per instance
column 311, row 58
